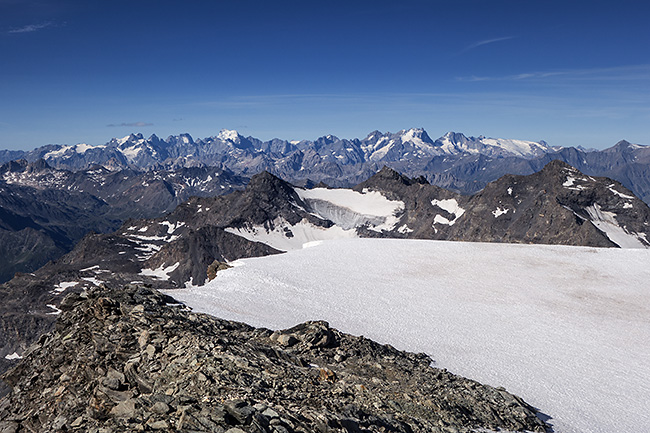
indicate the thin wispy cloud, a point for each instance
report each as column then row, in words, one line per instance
column 619, row 73
column 132, row 124
column 486, row 42
column 32, row 28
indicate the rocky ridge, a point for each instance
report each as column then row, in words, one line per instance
column 132, row 359
column 557, row 205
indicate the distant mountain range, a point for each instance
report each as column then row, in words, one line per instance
column 453, row 161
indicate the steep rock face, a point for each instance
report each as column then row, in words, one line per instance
column 132, row 360
column 416, row 220
column 557, row 205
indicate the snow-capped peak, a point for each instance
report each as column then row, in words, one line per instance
column 453, row 143
column 131, row 138
column 455, row 137
column 518, row 147
column 187, row 138
column 228, row 135
column 416, row 136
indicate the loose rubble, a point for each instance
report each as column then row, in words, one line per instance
column 135, row 360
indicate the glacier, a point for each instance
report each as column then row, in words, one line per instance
column 566, row 328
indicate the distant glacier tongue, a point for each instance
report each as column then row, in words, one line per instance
column 343, row 217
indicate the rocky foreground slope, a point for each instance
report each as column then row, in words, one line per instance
column 133, row 360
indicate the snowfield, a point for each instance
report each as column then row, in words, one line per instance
column 566, row 328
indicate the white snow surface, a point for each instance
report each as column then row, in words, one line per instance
column 59, row 288
column 131, row 152
column 93, row 280
column 14, row 355
column 566, row 328
column 569, row 181
column 162, row 272
column 172, row 227
column 620, row 194
column 80, row 148
column 451, row 206
column 516, row 147
column 350, row 209
column 228, row 135
column 56, row 311
column 411, row 136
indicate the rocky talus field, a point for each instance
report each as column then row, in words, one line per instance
column 135, row 360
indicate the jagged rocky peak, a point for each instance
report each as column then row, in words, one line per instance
column 236, row 140
column 327, row 139
column 39, row 165
column 15, row 166
column 388, row 174
column 185, row 138
column 266, row 181
column 267, row 187
column 561, row 205
column 625, row 146
column 557, row 167
column 131, row 138
column 456, row 137
column 373, row 136
column 132, row 359
column 22, row 165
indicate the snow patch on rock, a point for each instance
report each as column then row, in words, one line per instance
column 620, row 194
column 606, row 222
column 450, row 205
column 62, row 286
column 161, row 273
column 285, row 237
column 14, row 355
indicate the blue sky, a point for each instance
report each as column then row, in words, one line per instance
column 568, row 72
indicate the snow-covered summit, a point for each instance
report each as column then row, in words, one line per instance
column 417, row 136
column 229, row 135
column 131, row 138
column 64, row 151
